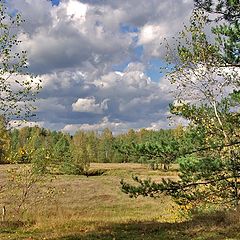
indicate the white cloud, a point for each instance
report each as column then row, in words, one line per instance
column 21, row 124
column 116, row 127
column 150, row 33
column 157, row 125
column 129, row 97
column 77, row 10
column 79, row 49
column 90, row 105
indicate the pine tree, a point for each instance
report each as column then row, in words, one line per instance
column 205, row 96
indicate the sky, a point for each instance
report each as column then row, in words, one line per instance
column 99, row 61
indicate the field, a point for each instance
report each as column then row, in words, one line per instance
column 95, row 208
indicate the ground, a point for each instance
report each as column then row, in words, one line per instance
column 95, row 208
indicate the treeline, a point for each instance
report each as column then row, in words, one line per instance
column 73, row 154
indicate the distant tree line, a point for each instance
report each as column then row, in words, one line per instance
column 72, row 154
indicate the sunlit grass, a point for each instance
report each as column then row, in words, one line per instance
column 95, row 208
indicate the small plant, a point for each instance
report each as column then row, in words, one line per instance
column 25, row 187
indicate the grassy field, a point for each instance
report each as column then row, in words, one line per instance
column 95, row 208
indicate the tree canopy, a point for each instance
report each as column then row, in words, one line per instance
column 207, row 95
column 226, row 13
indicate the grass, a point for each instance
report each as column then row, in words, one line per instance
column 95, row 208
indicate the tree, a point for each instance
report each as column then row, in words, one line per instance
column 80, row 160
column 18, row 89
column 106, row 152
column 92, row 146
column 17, row 86
column 158, row 149
column 61, row 150
column 4, row 141
column 205, row 96
column 227, row 12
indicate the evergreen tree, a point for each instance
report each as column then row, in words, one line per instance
column 80, row 155
column 61, row 149
column 228, row 30
column 205, row 96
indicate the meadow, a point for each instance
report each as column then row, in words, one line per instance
column 94, row 207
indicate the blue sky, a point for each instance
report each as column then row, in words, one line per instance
column 55, row 2
column 100, row 60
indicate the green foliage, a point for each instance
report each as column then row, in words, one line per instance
column 80, row 153
column 17, row 86
column 164, row 151
column 4, row 141
column 210, row 149
column 228, row 10
column 41, row 159
column 25, row 187
column 229, row 40
column 61, row 153
column 157, row 148
column 235, row 96
column 62, row 149
column 106, row 152
column 227, row 32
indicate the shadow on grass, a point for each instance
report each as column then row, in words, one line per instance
column 212, row 227
column 10, row 226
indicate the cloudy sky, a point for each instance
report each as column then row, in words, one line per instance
column 99, row 60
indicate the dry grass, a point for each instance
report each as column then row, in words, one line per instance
column 95, row 208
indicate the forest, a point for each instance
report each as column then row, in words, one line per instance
column 73, row 154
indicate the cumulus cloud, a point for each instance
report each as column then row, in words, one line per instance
column 128, row 97
column 90, row 105
column 77, row 10
column 86, row 54
column 74, row 34
column 150, row 33
column 116, row 127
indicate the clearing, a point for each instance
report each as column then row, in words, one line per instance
column 94, row 207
